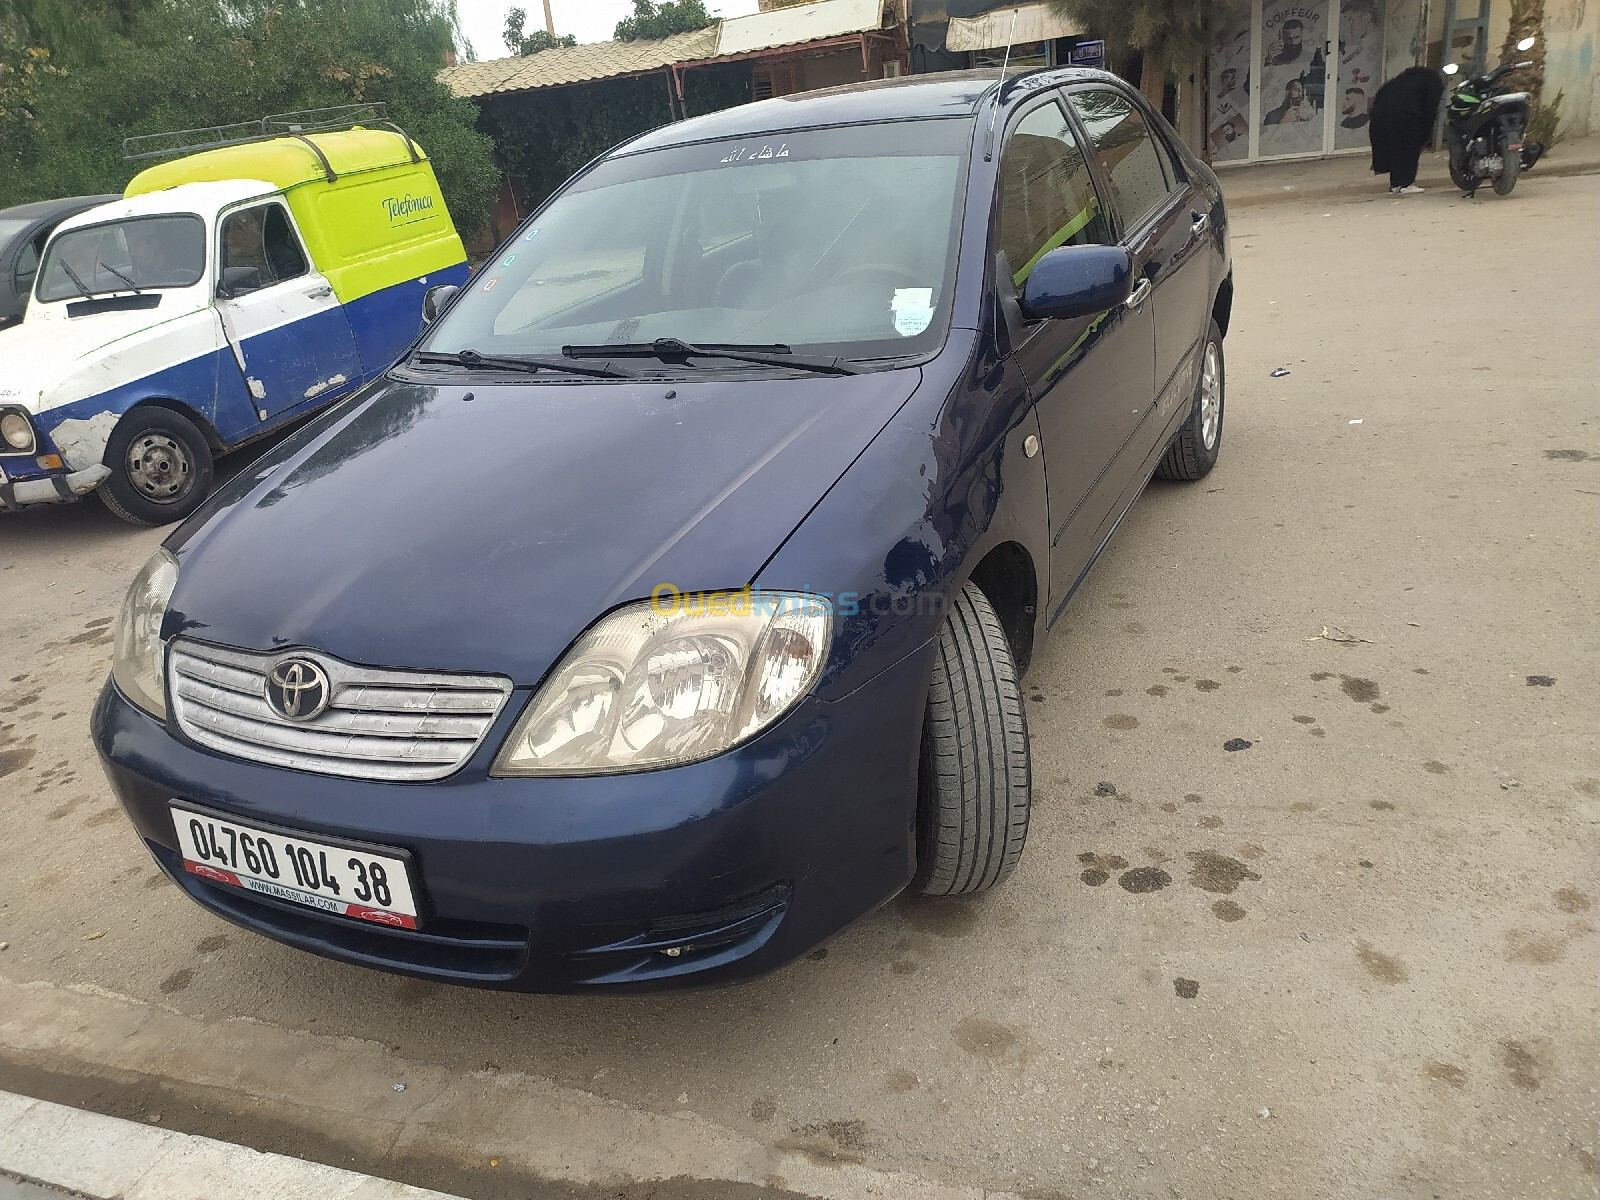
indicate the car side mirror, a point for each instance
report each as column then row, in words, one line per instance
column 434, row 300
column 1077, row 281
column 236, row 281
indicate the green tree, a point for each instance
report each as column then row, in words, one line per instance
column 183, row 64
column 1170, row 35
column 521, row 41
column 655, row 19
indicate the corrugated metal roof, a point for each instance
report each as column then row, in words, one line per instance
column 801, row 23
column 994, row 31
column 578, row 64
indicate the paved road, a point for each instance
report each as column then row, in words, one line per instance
column 1365, row 961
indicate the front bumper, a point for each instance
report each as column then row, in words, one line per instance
column 55, row 487
column 708, row 873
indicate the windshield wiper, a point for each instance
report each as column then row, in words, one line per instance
column 83, row 288
column 123, row 277
column 528, row 364
column 672, row 349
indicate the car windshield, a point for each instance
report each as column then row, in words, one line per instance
column 122, row 256
column 833, row 241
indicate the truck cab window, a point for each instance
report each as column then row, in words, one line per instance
column 261, row 239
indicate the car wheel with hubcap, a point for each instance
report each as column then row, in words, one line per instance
column 161, row 467
column 1194, row 450
column 976, row 780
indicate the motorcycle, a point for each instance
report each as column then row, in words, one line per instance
column 1485, row 124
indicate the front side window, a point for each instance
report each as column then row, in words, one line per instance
column 28, row 264
column 259, row 249
column 1124, row 143
column 836, row 241
column 1047, row 196
column 136, row 254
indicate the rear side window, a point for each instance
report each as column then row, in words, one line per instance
column 1047, row 195
column 1140, row 174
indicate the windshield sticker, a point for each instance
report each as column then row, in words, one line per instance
column 913, row 310
column 506, row 262
column 531, row 234
column 745, row 154
column 488, row 284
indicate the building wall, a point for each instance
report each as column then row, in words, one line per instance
column 1572, row 38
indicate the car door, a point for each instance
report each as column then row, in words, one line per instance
column 1090, row 377
column 1165, row 227
column 289, row 333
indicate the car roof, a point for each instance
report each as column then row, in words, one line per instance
column 53, row 209
column 206, row 199
column 946, row 94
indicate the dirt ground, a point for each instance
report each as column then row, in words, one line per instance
column 1355, row 958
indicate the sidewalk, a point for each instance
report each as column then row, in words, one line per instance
column 1335, row 178
column 45, row 1147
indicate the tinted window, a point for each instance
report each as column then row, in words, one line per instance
column 262, row 240
column 1124, row 144
column 141, row 252
column 840, row 240
column 1047, row 196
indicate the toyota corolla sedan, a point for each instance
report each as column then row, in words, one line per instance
column 662, row 611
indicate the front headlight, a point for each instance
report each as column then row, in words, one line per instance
column 137, row 662
column 16, row 431
column 671, row 681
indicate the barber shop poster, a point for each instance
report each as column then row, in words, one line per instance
column 1228, row 122
column 1360, row 69
column 1294, row 77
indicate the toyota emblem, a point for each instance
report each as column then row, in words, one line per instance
column 298, row 690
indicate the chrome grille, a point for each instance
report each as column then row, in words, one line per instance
column 379, row 724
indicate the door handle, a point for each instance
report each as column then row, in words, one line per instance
column 1140, row 293
column 1202, row 222
column 320, row 292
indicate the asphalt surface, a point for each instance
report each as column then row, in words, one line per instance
column 1355, row 958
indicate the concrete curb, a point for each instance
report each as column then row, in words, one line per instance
column 105, row 1158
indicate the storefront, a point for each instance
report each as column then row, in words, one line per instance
column 1297, row 79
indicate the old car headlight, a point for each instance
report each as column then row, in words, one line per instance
column 17, row 432
column 670, row 681
column 137, row 663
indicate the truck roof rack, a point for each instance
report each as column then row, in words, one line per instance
column 294, row 124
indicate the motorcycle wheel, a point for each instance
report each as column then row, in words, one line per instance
column 1458, row 166
column 1507, row 179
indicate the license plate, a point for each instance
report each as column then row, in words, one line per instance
column 363, row 883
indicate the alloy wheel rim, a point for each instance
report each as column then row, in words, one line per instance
column 1210, row 398
column 159, row 467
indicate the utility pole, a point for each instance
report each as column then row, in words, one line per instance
column 549, row 19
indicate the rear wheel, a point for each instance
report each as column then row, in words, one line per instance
column 161, row 467
column 976, row 781
column 1511, row 168
column 1194, row 450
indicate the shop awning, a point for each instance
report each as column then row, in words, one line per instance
column 994, row 30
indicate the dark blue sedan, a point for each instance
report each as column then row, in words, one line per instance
column 663, row 610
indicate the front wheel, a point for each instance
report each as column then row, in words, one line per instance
column 160, row 467
column 1194, row 450
column 975, row 786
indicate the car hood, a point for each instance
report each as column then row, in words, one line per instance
column 50, row 359
column 483, row 528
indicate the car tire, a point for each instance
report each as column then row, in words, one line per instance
column 161, row 467
column 1193, row 452
column 976, row 780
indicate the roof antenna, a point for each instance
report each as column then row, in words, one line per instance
column 988, row 142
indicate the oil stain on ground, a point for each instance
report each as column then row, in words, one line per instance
column 829, row 1143
column 1383, row 967
column 1572, row 900
column 1446, row 1073
column 1523, row 1063
column 1098, row 867
column 1531, row 949
column 1227, row 910
column 1187, row 989
column 1362, row 691
column 1121, row 721
column 1213, row 872
column 1144, row 879
column 942, row 918
column 984, row 1038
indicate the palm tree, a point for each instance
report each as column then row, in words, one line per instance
column 1171, row 35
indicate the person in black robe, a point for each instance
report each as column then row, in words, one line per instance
column 1403, row 116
